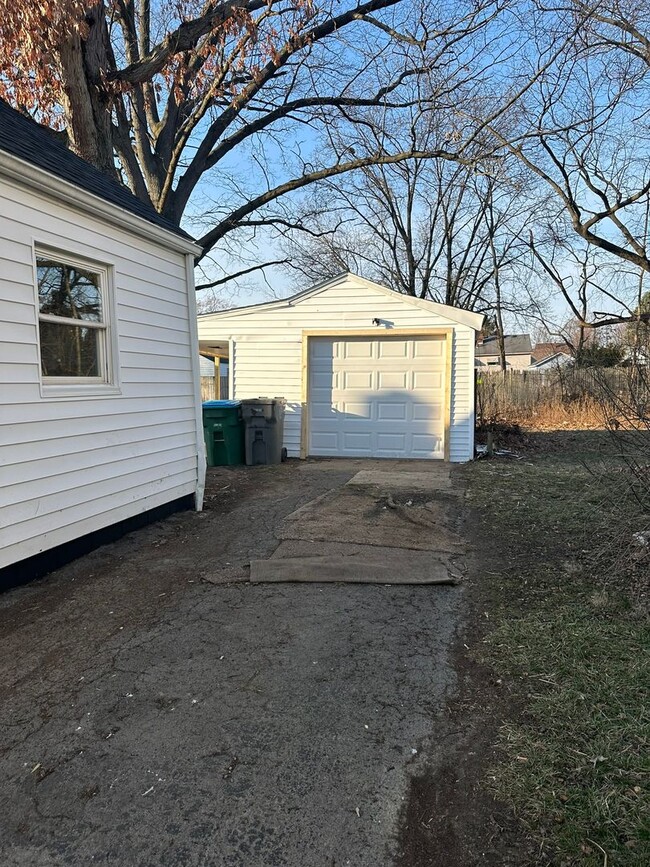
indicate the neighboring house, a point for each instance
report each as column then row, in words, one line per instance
column 100, row 412
column 552, row 362
column 545, row 350
column 366, row 372
column 547, row 356
column 518, row 352
column 635, row 358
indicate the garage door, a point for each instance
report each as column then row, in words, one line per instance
column 376, row 397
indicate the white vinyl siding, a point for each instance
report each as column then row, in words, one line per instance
column 75, row 464
column 267, row 352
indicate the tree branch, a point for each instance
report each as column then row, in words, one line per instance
column 224, row 280
column 225, row 226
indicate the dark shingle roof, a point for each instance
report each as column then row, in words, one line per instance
column 24, row 138
column 515, row 344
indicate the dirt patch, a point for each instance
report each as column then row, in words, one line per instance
column 361, row 516
column 449, row 816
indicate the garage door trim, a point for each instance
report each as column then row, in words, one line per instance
column 378, row 333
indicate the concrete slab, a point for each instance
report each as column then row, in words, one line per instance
column 404, row 480
column 353, row 570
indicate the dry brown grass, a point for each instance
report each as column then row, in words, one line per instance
column 582, row 414
column 573, row 400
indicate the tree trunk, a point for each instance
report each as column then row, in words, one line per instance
column 86, row 103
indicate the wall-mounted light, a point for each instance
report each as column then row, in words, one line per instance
column 376, row 321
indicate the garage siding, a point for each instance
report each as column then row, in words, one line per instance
column 75, row 465
column 267, row 355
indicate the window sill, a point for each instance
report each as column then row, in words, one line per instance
column 79, row 391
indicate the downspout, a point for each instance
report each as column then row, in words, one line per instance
column 196, row 382
column 231, row 369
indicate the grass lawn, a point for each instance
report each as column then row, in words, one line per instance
column 562, row 594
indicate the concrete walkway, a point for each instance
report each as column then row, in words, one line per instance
column 151, row 718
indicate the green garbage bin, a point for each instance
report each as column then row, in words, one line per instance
column 223, row 430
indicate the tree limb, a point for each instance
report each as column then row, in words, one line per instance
column 224, row 280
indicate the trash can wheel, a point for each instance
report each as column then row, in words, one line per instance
column 283, row 455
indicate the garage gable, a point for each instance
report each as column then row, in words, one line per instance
column 354, row 288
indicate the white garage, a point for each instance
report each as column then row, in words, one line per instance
column 366, row 372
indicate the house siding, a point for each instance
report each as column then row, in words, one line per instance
column 74, row 465
column 513, row 362
column 267, row 354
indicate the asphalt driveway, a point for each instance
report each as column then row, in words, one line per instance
column 152, row 717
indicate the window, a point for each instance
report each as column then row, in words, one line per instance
column 73, row 322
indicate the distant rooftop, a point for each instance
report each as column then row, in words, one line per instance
column 545, row 350
column 22, row 137
column 515, row 344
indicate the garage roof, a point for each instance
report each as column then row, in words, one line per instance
column 456, row 314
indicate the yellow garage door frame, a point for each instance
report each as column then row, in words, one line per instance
column 447, row 333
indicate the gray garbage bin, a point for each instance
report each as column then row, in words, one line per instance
column 264, row 430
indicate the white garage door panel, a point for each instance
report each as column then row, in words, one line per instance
column 392, row 379
column 377, row 397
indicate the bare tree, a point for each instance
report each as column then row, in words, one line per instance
column 414, row 227
column 223, row 102
column 582, row 132
column 431, row 230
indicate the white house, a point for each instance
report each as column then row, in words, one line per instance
column 99, row 383
column 551, row 356
column 552, row 362
column 366, row 372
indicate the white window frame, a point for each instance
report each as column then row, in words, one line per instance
column 107, row 383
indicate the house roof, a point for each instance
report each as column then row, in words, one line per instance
column 515, row 344
column 545, row 350
column 455, row 314
column 22, row 137
column 553, row 360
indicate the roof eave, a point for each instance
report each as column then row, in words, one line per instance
column 456, row 314
column 41, row 181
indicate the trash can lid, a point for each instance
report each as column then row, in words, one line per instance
column 222, row 403
column 260, row 401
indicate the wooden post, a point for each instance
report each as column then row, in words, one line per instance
column 217, row 377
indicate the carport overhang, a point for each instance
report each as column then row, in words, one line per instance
column 215, row 349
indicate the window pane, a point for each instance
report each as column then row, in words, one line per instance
column 68, row 350
column 64, row 290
